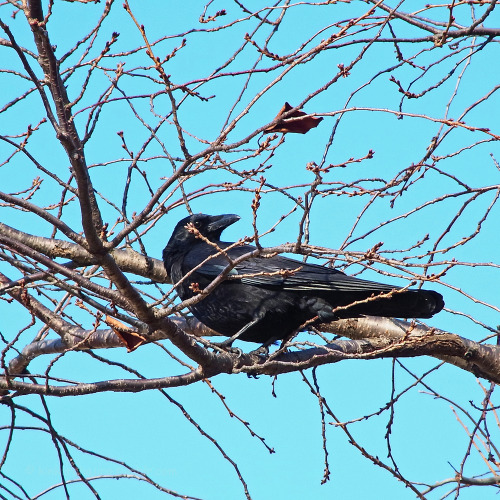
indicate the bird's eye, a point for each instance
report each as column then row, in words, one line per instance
column 197, row 224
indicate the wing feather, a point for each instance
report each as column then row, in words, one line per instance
column 281, row 272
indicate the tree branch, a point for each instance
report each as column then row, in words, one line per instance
column 127, row 259
column 372, row 338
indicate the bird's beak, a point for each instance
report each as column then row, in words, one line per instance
column 220, row 222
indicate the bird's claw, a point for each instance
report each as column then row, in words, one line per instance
column 236, row 350
column 260, row 351
column 223, row 346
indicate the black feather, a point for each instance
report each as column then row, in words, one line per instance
column 264, row 299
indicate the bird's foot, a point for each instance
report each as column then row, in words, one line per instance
column 226, row 346
column 263, row 350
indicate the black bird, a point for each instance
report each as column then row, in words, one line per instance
column 263, row 299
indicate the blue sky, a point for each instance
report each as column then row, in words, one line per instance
column 150, row 433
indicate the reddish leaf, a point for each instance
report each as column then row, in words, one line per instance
column 130, row 338
column 293, row 123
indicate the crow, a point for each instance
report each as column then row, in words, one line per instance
column 267, row 298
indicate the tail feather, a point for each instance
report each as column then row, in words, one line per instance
column 407, row 304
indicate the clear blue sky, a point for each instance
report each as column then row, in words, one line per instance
column 148, row 432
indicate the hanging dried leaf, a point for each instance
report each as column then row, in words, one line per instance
column 293, row 123
column 130, row 338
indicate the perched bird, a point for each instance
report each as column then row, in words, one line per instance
column 263, row 299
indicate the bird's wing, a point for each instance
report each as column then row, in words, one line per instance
column 279, row 272
column 289, row 274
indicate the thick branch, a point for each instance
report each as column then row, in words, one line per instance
column 377, row 338
column 385, row 337
column 65, row 128
column 102, row 291
column 128, row 260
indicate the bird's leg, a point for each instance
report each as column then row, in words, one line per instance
column 264, row 348
column 230, row 340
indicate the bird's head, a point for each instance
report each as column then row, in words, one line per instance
column 187, row 230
